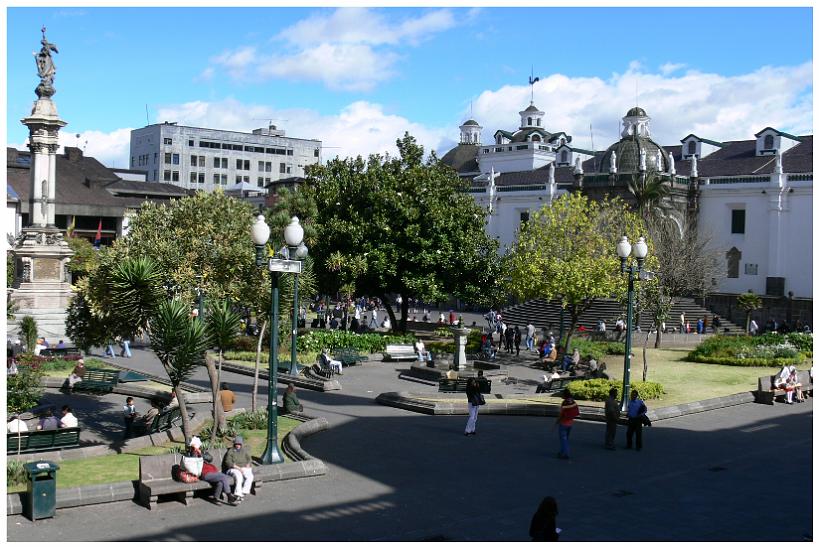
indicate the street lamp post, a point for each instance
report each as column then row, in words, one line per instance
column 294, row 233
column 260, row 232
column 640, row 250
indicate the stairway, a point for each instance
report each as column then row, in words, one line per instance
column 547, row 314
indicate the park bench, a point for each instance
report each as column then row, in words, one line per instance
column 459, row 385
column 557, row 384
column 767, row 393
column 400, row 352
column 348, row 356
column 156, row 480
column 98, row 380
column 62, row 353
column 163, row 422
column 40, row 441
column 319, row 373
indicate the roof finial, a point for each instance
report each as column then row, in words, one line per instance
column 533, row 80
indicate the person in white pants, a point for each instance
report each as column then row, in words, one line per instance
column 237, row 463
column 474, row 400
column 335, row 365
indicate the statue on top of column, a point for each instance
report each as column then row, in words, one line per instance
column 45, row 67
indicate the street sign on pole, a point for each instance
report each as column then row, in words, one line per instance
column 284, row 266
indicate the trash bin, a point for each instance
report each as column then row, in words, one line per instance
column 42, row 489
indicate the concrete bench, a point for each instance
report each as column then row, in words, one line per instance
column 400, row 352
column 156, row 480
column 42, row 441
column 767, row 393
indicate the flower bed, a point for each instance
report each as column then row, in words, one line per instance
column 766, row 350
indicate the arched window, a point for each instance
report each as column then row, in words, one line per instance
column 538, row 122
column 498, row 139
column 529, row 121
column 563, row 140
column 768, row 142
column 692, row 147
column 564, row 156
column 536, row 137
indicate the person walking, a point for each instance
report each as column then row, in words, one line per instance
column 509, row 336
column 634, row 417
column 542, row 525
column 517, row 340
column 612, row 411
column 569, row 411
column 474, row 400
column 530, row 336
column 125, row 347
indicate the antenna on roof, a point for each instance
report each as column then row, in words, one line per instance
column 591, row 139
column 636, row 91
column 147, row 122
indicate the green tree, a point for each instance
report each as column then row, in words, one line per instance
column 567, row 251
column 84, row 258
column 180, row 342
column 82, row 327
column 28, row 328
column 651, row 192
column 223, row 327
column 401, row 226
column 749, row 302
column 23, row 391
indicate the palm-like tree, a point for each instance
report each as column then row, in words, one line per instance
column 749, row 302
column 135, row 292
column 223, row 326
column 651, row 195
column 180, row 342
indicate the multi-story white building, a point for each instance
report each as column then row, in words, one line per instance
column 205, row 159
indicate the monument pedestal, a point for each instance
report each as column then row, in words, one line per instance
column 42, row 283
column 460, row 356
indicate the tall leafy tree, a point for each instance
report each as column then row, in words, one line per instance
column 180, row 342
column 401, row 225
column 567, row 252
column 749, row 302
column 651, row 193
column 223, row 327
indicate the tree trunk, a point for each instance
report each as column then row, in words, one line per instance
column 390, row 313
column 645, row 344
column 404, row 309
column 748, row 321
column 573, row 322
column 186, row 426
column 256, row 368
column 657, row 336
column 220, row 411
column 212, row 375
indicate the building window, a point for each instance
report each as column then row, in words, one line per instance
column 202, row 177
column 155, row 175
column 224, row 163
column 538, row 122
column 536, row 137
column 175, row 159
column 750, row 269
column 529, row 121
column 261, row 166
column 260, row 182
column 290, row 152
column 190, row 142
column 166, row 175
column 691, row 148
column 282, row 167
column 738, row 221
column 193, row 176
column 525, row 216
column 289, row 169
column 202, row 161
column 768, row 142
column 167, row 141
column 316, row 153
column 155, row 157
column 216, row 179
column 224, row 179
column 564, row 156
column 193, row 160
column 268, row 167
column 238, row 179
column 497, row 142
column 175, row 176
column 167, row 158
column 733, row 263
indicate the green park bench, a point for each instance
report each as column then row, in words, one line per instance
column 156, row 479
column 98, row 380
column 41, row 441
column 61, row 353
column 348, row 356
column 460, row 385
column 163, row 422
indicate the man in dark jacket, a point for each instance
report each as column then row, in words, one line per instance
column 612, row 411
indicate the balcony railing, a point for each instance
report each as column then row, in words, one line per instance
column 739, row 179
column 801, row 177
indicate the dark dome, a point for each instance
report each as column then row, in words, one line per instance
column 628, row 156
column 470, row 122
column 532, row 108
column 636, row 111
column 462, row 158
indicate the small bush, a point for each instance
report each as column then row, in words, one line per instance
column 246, row 343
column 15, row 473
column 598, row 389
column 765, row 350
column 249, row 421
column 316, row 340
column 597, row 349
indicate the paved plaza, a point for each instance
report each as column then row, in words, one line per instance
column 395, row 475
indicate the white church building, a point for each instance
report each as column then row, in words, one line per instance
column 753, row 197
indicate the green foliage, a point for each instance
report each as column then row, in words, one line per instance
column 178, row 340
column 28, row 329
column 15, row 472
column 84, row 259
column 651, row 193
column 249, row 420
column 598, row 389
column 400, row 225
column 567, row 251
column 749, row 301
column 47, row 363
column 136, row 291
column 443, row 331
column 597, row 349
column 227, row 434
column 317, row 340
column 223, row 325
column 23, row 391
column 82, row 327
column 9, row 269
column 765, row 350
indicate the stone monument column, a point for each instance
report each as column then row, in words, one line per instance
column 460, row 356
column 42, row 285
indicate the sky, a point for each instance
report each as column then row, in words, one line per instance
column 357, row 78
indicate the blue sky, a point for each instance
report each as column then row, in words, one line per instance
column 357, row 78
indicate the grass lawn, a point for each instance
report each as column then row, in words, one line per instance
column 124, row 467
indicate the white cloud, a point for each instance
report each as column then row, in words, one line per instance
column 669, row 68
column 110, row 148
column 348, row 49
column 713, row 106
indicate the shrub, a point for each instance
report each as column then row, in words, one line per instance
column 598, row 389
column 15, row 473
column 23, row 391
column 248, row 343
column 48, row 363
column 28, row 328
column 317, row 340
column 597, row 349
column 249, row 421
column 765, row 350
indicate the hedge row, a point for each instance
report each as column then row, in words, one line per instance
column 764, row 350
column 317, row 340
column 598, row 389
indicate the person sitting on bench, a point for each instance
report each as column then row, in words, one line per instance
column 542, row 387
column 48, row 422
column 237, row 463
column 290, row 401
column 326, row 362
column 216, row 478
column 148, row 417
column 423, row 355
column 793, row 387
column 76, row 375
